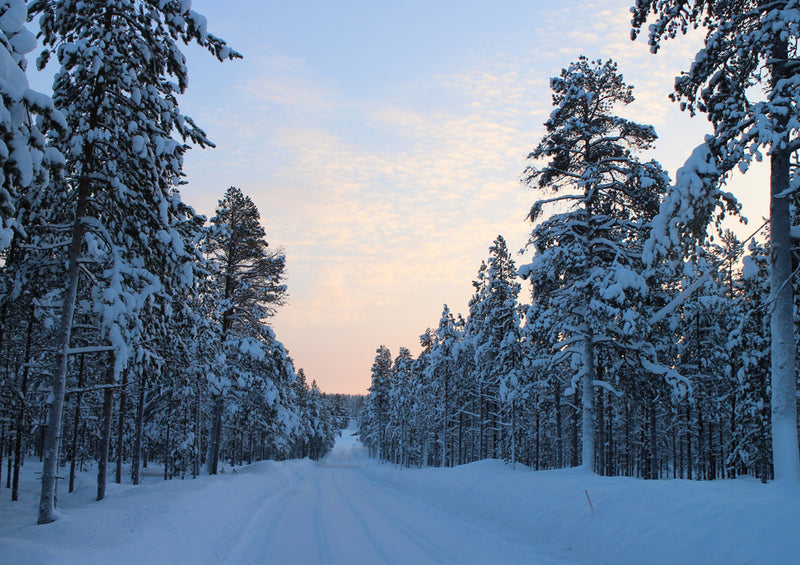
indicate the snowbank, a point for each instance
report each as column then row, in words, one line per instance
column 633, row 521
column 630, row 521
column 179, row 521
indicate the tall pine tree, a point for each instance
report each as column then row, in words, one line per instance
column 751, row 49
column 588, row 252
column 120, row 71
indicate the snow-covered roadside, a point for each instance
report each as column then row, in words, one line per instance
column 215, row 519
column 179, row 521
column 633, row 522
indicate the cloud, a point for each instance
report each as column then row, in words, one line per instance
column 387, row 203
column 287, row 83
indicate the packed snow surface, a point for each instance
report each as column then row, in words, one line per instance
column 351, row 510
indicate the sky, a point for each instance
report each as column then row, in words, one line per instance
column 383, row 142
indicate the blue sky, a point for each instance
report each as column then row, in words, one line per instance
column 383, row 141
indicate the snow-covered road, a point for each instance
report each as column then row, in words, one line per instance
column 352, row 510
column 338, row 511
column 332, row 512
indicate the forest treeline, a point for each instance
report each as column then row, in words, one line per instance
column 132, row 330
column 639, row 337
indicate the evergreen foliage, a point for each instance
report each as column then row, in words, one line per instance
column 131, row 332
column 746, row 80
column 642, row 351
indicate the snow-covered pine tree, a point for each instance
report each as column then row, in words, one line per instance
column 121, row 69
column 248, row 287
column 751, row 449
column 588, row 252
column 470, row 346
column 499, row 352
column 440, row 370
column 26, row 156
column 26, row 161
column 402, row 426
column 376, row 408
column 746, row 79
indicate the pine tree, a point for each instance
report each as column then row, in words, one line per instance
column 440, row 371
column 498, row 352
column 748, row 44
column 401, row 400
column 587, row 257
column 373, row 430
column 25, row 154
column 248, row 288
column 751, row 450
column 121, row 69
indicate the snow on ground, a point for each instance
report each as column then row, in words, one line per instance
column 352, row 510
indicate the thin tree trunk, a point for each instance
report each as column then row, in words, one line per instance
column 59, row 379
column 137, row 446
column 559, row 439
column 537, row 454
column 588, row 439
column 654, row 466
column 611, row 468
column 575, row 426
column 167, row 447
column 214, row 438
column 9, row 464
column 105, row 438
column 77, row 421
column 628, row 446
column 601, row 428
column 21, row 413
column 689, row 458
column 123, row 404
column 2, row 448
column 673, row 434
column 197, row 432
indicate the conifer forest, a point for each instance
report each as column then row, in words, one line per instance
column 132, row 330
column 634, row 335
column 644, row 331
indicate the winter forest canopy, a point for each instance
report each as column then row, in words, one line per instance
column 131, row 329
column 639, row 336
column 631, row 337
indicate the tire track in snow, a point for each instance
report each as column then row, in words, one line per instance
column 323, row 550
column 430, row 547
column 368, row 531
column 259, row 533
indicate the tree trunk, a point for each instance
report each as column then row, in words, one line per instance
column 105, row 438
column 123, row 403
column 137, row 446
column 588, row 439
column 2, row 448
column 786, row 455
column 21, row 413
column 47, row 499
column 167, row 447
column 575, row 416
column 689, row 458
column 76, row 423
column 559, row 439
column 654, row 466
column 214, row 438
column 601, row 428
column 197, row 431
column 537, row 454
